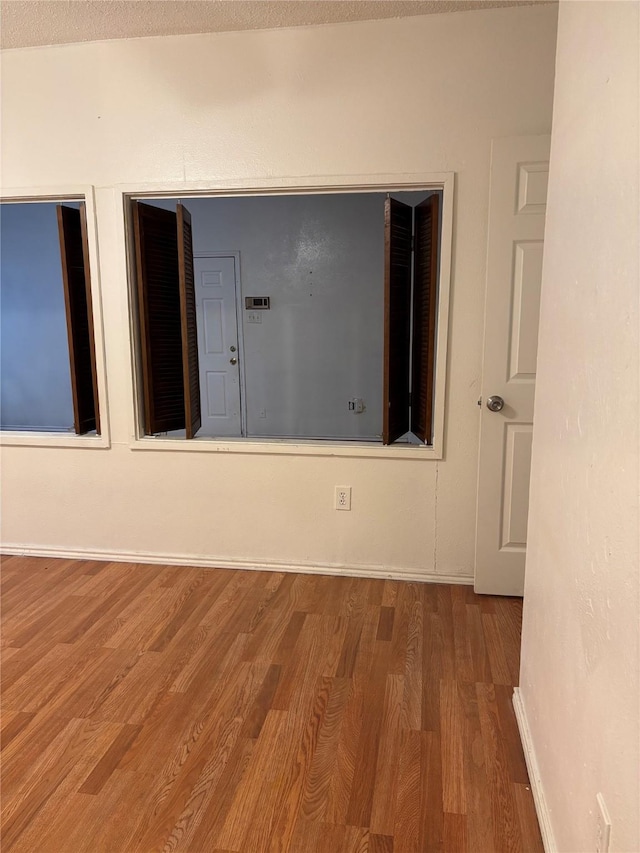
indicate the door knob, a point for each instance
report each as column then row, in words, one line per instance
column 495, row 404
column 233, row 360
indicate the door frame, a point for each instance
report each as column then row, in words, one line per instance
column 242, row 377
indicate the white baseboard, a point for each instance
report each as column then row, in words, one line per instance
column 539, row 800
column 347, row 570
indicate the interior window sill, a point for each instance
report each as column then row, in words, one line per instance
column 289, row 447
column 34, row 438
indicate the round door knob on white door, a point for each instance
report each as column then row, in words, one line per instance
column 495, row 403
column 233, row 360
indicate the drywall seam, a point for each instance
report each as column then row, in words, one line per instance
column 539, row 799
column 356, row 571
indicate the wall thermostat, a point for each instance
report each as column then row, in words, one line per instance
column 260, row 302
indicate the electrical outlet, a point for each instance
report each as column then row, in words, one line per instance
column 603, row 831
column 343, row 497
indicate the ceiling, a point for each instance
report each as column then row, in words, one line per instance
column 27, row 23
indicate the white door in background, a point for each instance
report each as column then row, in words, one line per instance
column 517, row 205
column 218, row 349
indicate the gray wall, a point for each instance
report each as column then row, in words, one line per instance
column 34, row 354
column 320, row 259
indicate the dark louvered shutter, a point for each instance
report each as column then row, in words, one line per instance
column 398, row 220
column 191, row 375
column 76, row 280
column 160, row 317
column 425, row 286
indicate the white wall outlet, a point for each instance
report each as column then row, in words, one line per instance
column 343, row 497
column 356, row 405
column 603, row 830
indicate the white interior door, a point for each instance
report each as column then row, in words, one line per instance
column 518, row 198
column 218, row 349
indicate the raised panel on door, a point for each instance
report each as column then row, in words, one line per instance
column 213, row 320
column 517, row 471
column 519, row 176
column 525, row 298
column 216, row 394
column 533, row 182
column 219, row 356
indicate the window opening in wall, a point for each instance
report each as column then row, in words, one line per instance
column 47, row 360
column 288, row 316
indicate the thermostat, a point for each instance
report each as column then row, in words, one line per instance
column 260, row 302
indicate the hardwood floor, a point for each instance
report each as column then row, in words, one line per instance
column 180, row 709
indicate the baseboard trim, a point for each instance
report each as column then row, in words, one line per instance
column 348, row 570
column 539, row 800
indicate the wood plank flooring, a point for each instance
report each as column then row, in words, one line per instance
column 152, row 708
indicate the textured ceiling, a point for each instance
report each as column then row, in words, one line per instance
column 26, row 23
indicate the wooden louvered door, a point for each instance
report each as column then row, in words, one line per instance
column 167, row 311
column 398, row 221
column 156, row 237
column 74, row 256
column 425, row 286
column 190, row 368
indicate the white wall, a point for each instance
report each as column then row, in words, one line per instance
column 35, row 379
column 580, row 664
column 418, row 95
